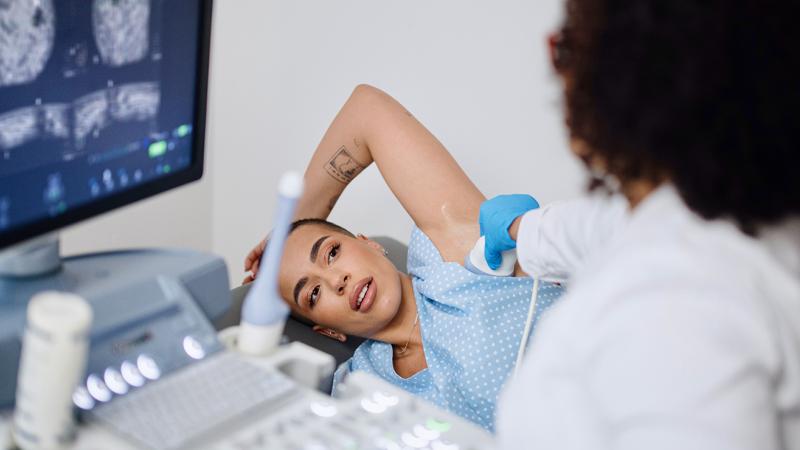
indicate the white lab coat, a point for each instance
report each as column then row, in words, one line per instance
column 675, row 332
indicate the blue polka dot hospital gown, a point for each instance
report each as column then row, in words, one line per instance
column 471, row 328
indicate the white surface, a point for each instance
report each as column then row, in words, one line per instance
column 54, row 351
column 678, row 333
column 475, row 73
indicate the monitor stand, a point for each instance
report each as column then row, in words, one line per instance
column 31, row 258
column 101, row 278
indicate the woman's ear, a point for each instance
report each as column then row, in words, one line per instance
column 333, row 334
column 372, row 243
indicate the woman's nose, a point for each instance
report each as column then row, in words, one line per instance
column 341, row 283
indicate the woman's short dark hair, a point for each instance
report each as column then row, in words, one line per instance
column 321, row 222
column 703, row 93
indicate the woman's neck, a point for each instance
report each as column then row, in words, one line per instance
column 403, row 330
column 637, row 191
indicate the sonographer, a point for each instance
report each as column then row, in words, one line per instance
column 680, row 328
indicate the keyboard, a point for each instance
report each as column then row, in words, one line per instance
column 367, row 414
column 182, row 408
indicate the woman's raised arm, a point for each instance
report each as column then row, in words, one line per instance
column 428, row 182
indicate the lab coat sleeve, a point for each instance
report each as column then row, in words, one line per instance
column 554, row 240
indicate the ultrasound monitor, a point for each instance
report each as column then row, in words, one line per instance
column 102, row 103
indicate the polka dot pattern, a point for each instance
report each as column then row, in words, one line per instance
column 471, row 330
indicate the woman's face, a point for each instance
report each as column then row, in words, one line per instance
column 338, row 281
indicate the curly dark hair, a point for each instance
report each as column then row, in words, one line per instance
column 705, row 94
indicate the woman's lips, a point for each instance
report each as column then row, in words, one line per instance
column 357, row 293
column 369, row 297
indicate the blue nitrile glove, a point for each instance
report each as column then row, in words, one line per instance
column 496, row 216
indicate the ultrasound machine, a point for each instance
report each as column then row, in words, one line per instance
column 102, row 104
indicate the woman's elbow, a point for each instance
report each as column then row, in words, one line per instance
column 371, row 95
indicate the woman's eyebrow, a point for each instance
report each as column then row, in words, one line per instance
column 315, row 249
column 298, row 287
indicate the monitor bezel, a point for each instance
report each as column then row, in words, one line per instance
column 192, row 173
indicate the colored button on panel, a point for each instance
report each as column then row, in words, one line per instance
column 441, row 426
column 157, row 149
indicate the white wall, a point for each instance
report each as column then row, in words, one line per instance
column 476, row 73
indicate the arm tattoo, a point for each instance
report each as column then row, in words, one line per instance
column 342, row 166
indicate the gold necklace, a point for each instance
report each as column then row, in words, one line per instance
column 402, row 351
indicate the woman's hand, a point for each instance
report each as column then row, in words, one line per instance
column 252, row 261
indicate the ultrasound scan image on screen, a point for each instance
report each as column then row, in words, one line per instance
column 96, row 97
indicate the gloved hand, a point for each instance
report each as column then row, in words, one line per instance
column 496, row 216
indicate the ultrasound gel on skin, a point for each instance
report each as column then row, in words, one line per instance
column 55, row 347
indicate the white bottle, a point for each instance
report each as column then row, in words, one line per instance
column 54, row 351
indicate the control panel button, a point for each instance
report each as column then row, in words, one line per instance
column 193, row 348
column 371, row 406
column 148, row 367
column 82, row 399
column 131, row 374
column 426, row 433
column 323, row 409
column 97, row 389
column 441, row 426
column 413, row 441
column 385, row 399
column 115, row 382
column 443, row 445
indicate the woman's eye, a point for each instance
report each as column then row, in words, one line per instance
column 332, row 254
column 313, row 297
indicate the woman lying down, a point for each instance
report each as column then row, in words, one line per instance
column 440, row 332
